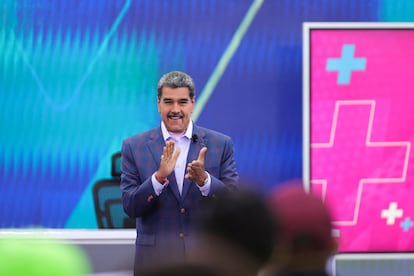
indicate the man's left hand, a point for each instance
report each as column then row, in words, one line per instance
column 195, row 169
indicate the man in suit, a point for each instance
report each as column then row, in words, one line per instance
column 168, row 171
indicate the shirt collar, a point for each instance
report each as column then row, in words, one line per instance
column 167, row 136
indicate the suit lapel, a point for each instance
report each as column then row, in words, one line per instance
column 156, row 144
column 192, row 155
column 193, row 152
column 173, row 186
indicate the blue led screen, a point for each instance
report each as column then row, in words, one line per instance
column 77, row 77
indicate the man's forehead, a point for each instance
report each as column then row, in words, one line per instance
column 175, row 97
column 175, row 91
column 175, row 94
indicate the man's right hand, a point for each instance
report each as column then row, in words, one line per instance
column 168, row 160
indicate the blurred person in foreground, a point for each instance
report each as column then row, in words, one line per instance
column 30, row 256
column 305, row 243
column 169, row 170
column 236, row 233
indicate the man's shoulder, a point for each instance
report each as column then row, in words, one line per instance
column 207, row 132
column 144, row 136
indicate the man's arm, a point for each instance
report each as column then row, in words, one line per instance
column 137, row 194
column 228, row 176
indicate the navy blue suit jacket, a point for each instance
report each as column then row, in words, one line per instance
column 166, row 221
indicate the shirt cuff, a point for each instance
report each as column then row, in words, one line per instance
column 158, row 187
column 205, row 189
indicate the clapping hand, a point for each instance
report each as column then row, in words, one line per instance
column 195, row 169
column 168, row 160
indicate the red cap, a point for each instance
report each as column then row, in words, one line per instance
column 305, row 219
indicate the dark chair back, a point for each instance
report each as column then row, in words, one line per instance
column 107, row 198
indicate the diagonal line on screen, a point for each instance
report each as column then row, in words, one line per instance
column 89, row 69
column 226, row 57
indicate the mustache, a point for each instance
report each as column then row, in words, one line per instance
column 175, row 115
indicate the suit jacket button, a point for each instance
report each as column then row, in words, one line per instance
column 181, row 235
column 182, row 210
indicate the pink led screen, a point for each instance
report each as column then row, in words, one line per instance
column 361, row 108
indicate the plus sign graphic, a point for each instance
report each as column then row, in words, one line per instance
column 346, row 64
column 392, row 213
column 360, row 135
column 349, row 159
column 407, row 224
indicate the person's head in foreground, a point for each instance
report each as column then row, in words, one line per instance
column 238, row 231
column 306, row 242
column 235, row 237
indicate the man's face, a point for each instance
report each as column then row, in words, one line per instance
column 175, row 107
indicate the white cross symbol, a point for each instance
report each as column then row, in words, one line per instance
column 391, row 213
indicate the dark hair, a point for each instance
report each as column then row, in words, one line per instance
column 242, row 218
column 176, row 79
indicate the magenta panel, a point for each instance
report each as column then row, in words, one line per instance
column 361, row 132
